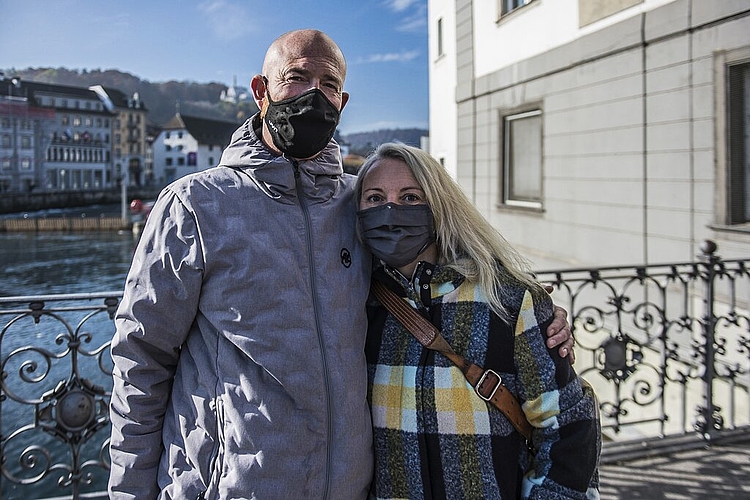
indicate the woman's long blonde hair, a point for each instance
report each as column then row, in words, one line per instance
column 466, row 241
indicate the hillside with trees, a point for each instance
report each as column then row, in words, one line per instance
column 163, row 99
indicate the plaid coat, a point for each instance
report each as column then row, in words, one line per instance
column 434, row 438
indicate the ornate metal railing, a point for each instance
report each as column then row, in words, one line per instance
column 54, row 394
column 667, row 348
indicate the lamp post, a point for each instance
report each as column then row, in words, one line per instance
column 124, row 192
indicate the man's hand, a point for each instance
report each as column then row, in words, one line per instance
column 558, row 333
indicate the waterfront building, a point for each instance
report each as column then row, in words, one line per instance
column 58, row 138
column 592, row 132
column 24, row 137
column 66, row 148
column 187, row 144
column 129, row 138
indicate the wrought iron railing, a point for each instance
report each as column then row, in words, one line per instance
column 54, row 394
column 667, row 348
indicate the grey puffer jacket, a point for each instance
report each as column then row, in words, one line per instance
column 239, row 367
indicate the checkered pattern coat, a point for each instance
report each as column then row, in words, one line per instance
column 435, row 438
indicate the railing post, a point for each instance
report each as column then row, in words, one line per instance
column 710, row 420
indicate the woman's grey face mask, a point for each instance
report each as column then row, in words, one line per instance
column 397, row 234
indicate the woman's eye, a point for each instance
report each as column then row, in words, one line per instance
column 412, row 198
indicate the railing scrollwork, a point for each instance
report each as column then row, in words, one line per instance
column 55, row 390
column 665, row 346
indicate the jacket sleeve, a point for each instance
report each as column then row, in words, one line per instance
column 561, row 407
column 158, row 307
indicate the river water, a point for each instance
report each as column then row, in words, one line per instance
column 46, row 263
column 55, row 263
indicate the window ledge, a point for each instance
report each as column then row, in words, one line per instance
column 735, row 228
column 520, row 209
column 508, row 15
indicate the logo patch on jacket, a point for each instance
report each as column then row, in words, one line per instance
column 346, row 257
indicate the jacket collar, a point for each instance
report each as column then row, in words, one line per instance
column 428, row 282
column 275, row 175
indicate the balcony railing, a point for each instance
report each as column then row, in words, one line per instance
column 667, row 348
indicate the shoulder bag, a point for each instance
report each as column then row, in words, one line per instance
column 486, row 383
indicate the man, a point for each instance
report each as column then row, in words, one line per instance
column 239, row 368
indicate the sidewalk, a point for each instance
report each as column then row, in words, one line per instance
column 718, row 472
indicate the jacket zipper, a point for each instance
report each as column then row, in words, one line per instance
column 316, row 310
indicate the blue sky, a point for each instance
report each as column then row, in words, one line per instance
column 384, row 41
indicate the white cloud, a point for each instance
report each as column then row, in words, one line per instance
column 416, row 21
column 401, row 5
column 389, row 57
column 228, row 21
column 413, row 14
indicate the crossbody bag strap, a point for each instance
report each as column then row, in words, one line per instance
column 486, row 383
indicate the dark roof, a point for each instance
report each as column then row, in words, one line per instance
column 29, row 89
column 121, row 100
column 204, row 130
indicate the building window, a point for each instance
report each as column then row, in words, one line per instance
column 168, row 162
column 738, row 147
column 522, row 159
column 6, row 141
column 25, row 142
column 25, row 163
column 508, row 6
column 76, row 121
column 181, row 161
column 440, row 37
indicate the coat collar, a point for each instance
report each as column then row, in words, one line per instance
column 275, row 175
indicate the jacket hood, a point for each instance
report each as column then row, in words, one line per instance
column 247, row 153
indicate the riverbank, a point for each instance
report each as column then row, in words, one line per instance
column 98, row 217
column 65, row 224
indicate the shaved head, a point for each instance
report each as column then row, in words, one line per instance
column 298, row 62
column 300, row 44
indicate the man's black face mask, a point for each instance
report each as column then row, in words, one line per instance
column 301, row 126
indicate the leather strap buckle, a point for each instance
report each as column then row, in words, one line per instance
column 478, row 388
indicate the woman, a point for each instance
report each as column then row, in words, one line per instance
column 434, row 437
